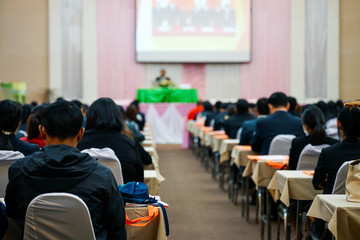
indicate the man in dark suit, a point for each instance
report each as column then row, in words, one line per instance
column 220, row 118
column 213, row 115
column 235, row 122
column 278, row 122
column 249, row 127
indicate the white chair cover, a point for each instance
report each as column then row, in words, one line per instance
column 331, row 129
column 309, row 157
column 7, row 158
column 238, row 134
column 340, row 180
column 58, row 216
column 280, row 145
column 107, row 157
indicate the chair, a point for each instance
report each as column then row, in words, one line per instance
column 238, row 134
column 107, row 157
column 10, row 157
column 309, row 157
column 341, row 175
column 280, row 145
column 58, row 216
column 331, row 129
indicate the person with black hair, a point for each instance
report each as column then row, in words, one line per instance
column 26, row 110
column 140, row 117
column 33, row 131
column 313, row 122
column 104, row 129
column 249, row 127
column 207, row 112
column 235, row 122
column 10, row 119
column 209, row 120
column 220, row 118
column 293, row 107
column 61, row 167
column 278, row 122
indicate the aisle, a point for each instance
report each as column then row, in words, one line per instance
column 199, row 209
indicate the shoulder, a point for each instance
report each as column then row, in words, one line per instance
column 331, row 141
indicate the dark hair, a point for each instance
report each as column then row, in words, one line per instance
column 207, row 106
column 332, row 111
column 278, row 99
column 135, row 103
column 350, row 121
column 10, row 117
column 218, row 105
column 230, row 110
column 131, row 112
column 293, row 103
column 104, row 114
column 34, row 121
column 26, row 110
column 77, row 103
column 322, row 106
column 33, row 103
column 62, row 119
column 262, row 106
column 242, row 106
column 314, row 119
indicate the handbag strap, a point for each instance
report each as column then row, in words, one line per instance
column 153, row 212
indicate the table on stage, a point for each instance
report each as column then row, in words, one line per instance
column 157, row 95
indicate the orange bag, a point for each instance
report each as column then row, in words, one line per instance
column 139, row 222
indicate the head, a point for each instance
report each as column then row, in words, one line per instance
column 349, row 121
column 242, row 106
column 162, row 72
column 34, row 121
column 34, row 103
column 61, row 123
column 262, row 107
column 10, row 119
column 131, row 112
column 218, row 105
column 322, row 106
column 207, row 106
column 136, row 104
column 313, row 120
column 231, row 109
column 104, row 114
column 278, row 101
column 292, row 103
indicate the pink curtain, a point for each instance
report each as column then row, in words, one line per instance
column 194, row 74
column 118, row 73
column 269, row 69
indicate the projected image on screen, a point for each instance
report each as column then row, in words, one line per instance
column 193, row 31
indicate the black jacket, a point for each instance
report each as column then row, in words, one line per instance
column 62, row 168
column 277, row 123
column 331, row 159
column 124, row 148
column 232, row 125
column 298, row 144
column 22, row 146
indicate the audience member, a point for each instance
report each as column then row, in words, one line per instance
column 220, row 118
column 130, row 114
column 103, row 129
column 252, row 109
column 140, row 117
column 209, row 120
column 129, row 127
column 293, row 107
column 60, row 167
column 10, row 119
column 33, row 127
column 207, row 112
column 26, row 110
column 313, row 122
column 249, row 127
column 278, row 122
column 195, row 111
column 235, row 122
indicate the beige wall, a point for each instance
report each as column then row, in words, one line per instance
column 24, row 45
column 349, row 49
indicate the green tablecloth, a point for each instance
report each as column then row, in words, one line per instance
column 155, row 95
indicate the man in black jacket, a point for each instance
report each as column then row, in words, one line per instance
column 278, row 122
column 61, row 167
column 235, row 122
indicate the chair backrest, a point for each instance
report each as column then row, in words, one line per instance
column 309, row 156
column 58, row 216
column 280, row 145
column 331, row 129
column 341, row 175
column 238, row 134
column 7, row 159
column 107, row 157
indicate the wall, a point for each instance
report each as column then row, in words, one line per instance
column 24, row 45
column 349, row 49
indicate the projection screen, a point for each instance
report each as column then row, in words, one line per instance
column 193, row 30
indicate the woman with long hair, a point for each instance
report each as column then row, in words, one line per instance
column 104, row 128
column 313, row 122
column 10, row 119
column 33, row 132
